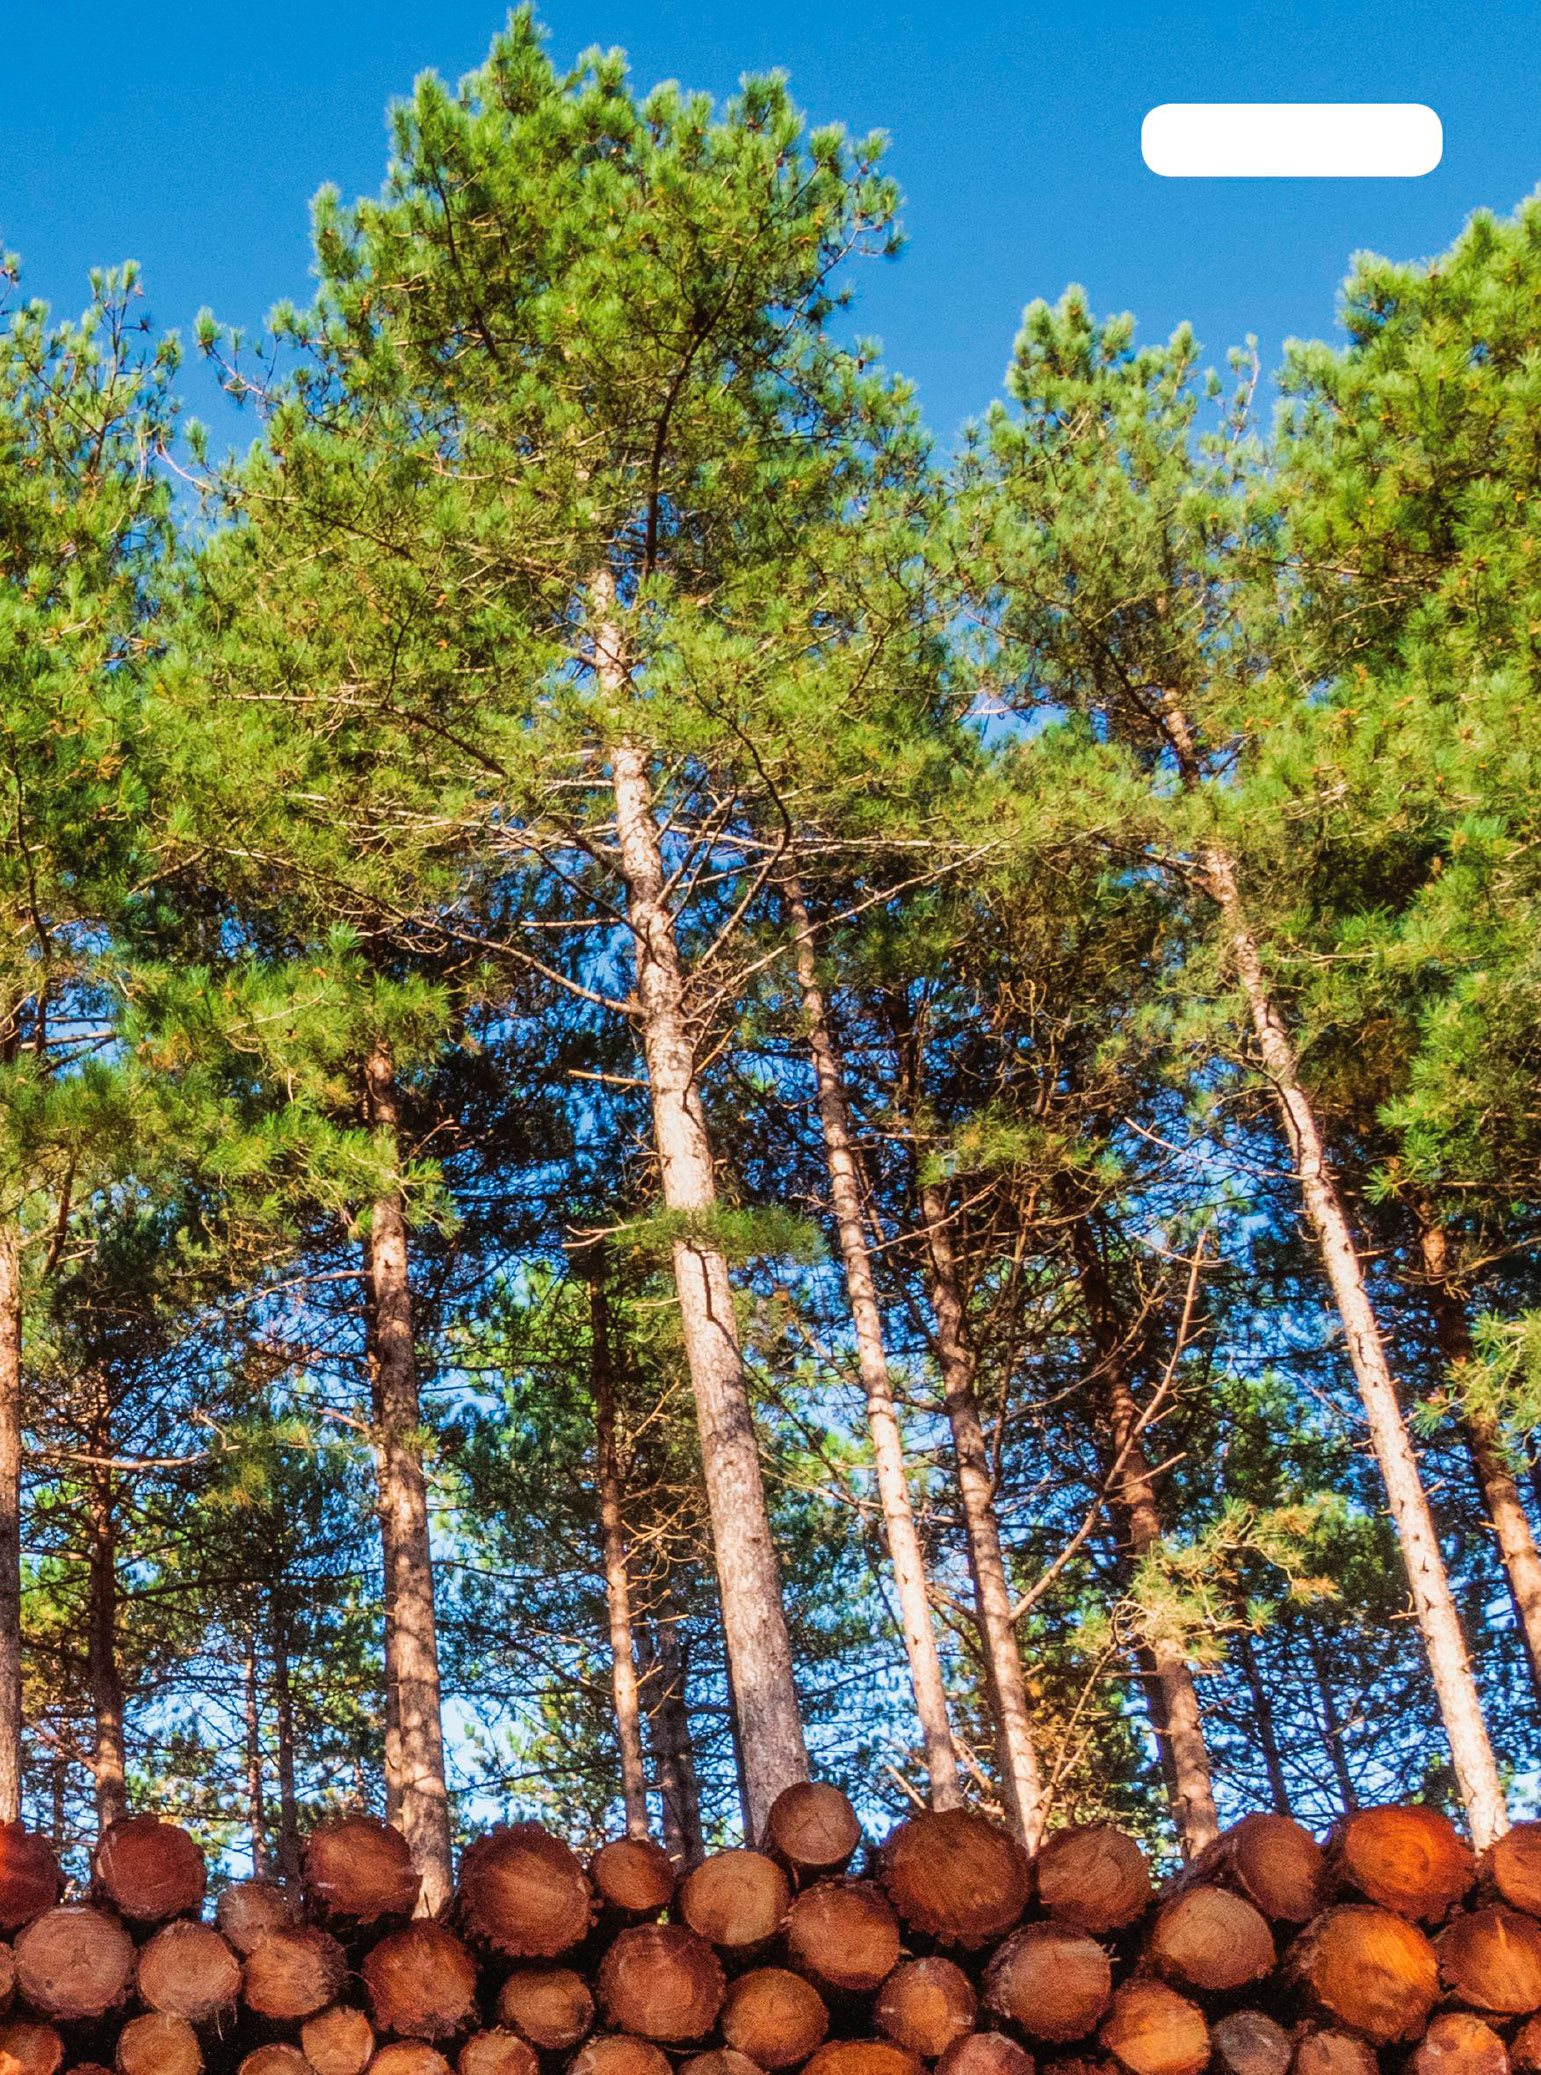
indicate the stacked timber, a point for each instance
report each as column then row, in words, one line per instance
column 1388, row 1946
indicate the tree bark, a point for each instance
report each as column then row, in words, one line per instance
column 109, row 1757
column 283, row 1723
column 1016, row 1758
column 674, row 1755
column 10, row 1521
column 904, row 1548
column 1267, row 1733
column 748, row 1576
column 1176, row 1714
column 256, row 1790
column 1332, row 1731
column 411, row 1645
column 623, row 1663
column 1433, row 1602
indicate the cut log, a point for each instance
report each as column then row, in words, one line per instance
column 661, row 1982
column 615, row 2054
column 410, row 2057
column 1272, row 1860
column 7, row 1979
column 1457, row 2043
column 926, row 2005
column 774, row 2017
column 148, row 1870
column 1412, row 1860
column 73, row 1962
column 634, row 1879
column 1051, row 1982
column 160, row 2043
column 338, row 2041
column 1331, row 2052
column 1151, row 2030
column 1491, row 1961
column 357, row 1874
column 1247, row 2042
column 1366, row 1970
column 30, row 1881
column 813, row 1830
column 278, row 2059
column 1093, row 1877
column 1510, row 1868
column 552, row 2007
column 292, row 1975
column 735, row 1901
column 523, row 1893
column 956, row 1877
column 1211, row 1941
column 497, row 2053
column 188, row 1970
column 248, row 1909
column 843, row 1935
column 28, row 2048
column 863, row 2057
column 1525, row 2048
column 986, row 2053
column 420, row 1983
column 719, row 2060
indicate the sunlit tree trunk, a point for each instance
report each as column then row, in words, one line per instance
column 623, row 1663
column 668, row 1716
column 109, row 1754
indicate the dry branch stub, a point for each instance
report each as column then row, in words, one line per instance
column 1272, row 1860
column 248, row 1909
column 523, row 1893
column 159, row 2043
column 420, row 1983
column 28, row 2048
column 356, row 1874
column 1212, row 1941
column 774, row 2017
column 1093, row 1877
column 813, row 1830
column 1151, row 2030
column 1457, row 2043
column 338, row 2041
column 188, row 1970
column 1050, row 1981
column 30, row 1880
column 1367, row 1970
column 1249, row 2042
column 613, row 2053
column 956, row 1877
column 551, row 2007
column 497, row 2053
column 843, row 1935
column 926, row 2005
column 735, row 1900
column 73, row 1962
column 293, row 1974
column 986, row 2053
column 148, row 1870
column 634, row 1879
column 1491, row 1961
column 661, row 1982
column 1412, row 1860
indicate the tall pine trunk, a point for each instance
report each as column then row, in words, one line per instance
column 1176, row 1715
column 623, row 1663
column 283, row 1727
column 904, row 1548
column 415, row 1767
column 668, row 1717
column 1433, row 1602
column 769, row 1721
column 10, row 1520
column 1333, row 1734
column 1263, row 1722
column 109, row 1762
column 1484, row 1442
column 256, row 1785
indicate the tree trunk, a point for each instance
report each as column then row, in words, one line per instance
column 674, row 1755
column 411, row 1646
column 1267, row 1733
column 10, row 1521
column 109, row 1757
column 1016, row 1758
column 283, row 1723
column 623, row 1663
column 1433, row 1603
column 904, row 1549
column 256, row 1792
column 1176, row 1714
column 1484, row 1442
column 1332, row 1730
column 748, row 1576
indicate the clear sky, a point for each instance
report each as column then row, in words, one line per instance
column 191, row 137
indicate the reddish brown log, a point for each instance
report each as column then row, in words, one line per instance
column 188, row 1970
column 148, row 1870
column 1331, row 2052
column 1246, row 2042
column 1272, row 1860
column 774, row 2017
column 1457, row 2043
column 77, row 2068
column 1367, row 1971
column 27, row 2048
column 292, row 1975
column 1051, row 1982
column 7, row 1979
column 986, row 2053
column 497, row 2053
column 73, row 1962
column 1211, row 1941
column 719, row 2060
column 30, row 1881
column 926, row 2006
column 1510, row 1868
column 1412, row 1860
column 634, row 1879
column 552, row 2007
column 338, row 2041
column 735, row 1901
column 1491, row 1961
column 523, row 1893
column 956, row 1877
column 1092, row 1877
column 275, row 2060
column 357, row 1874
column 813, row 1830
column 248, row 1909
column 160, row 2043
column 1081, row 2064
column 410, row 2057
column 661, row 1982
column 863, row 2057
column 1151, row 2030
column 843, row 1935
column 420, row 1983
column 615, row 2054
column 1525, row 2048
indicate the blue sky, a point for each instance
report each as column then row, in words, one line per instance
column 191, row 137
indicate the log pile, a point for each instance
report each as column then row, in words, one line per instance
column 1388, row 1947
